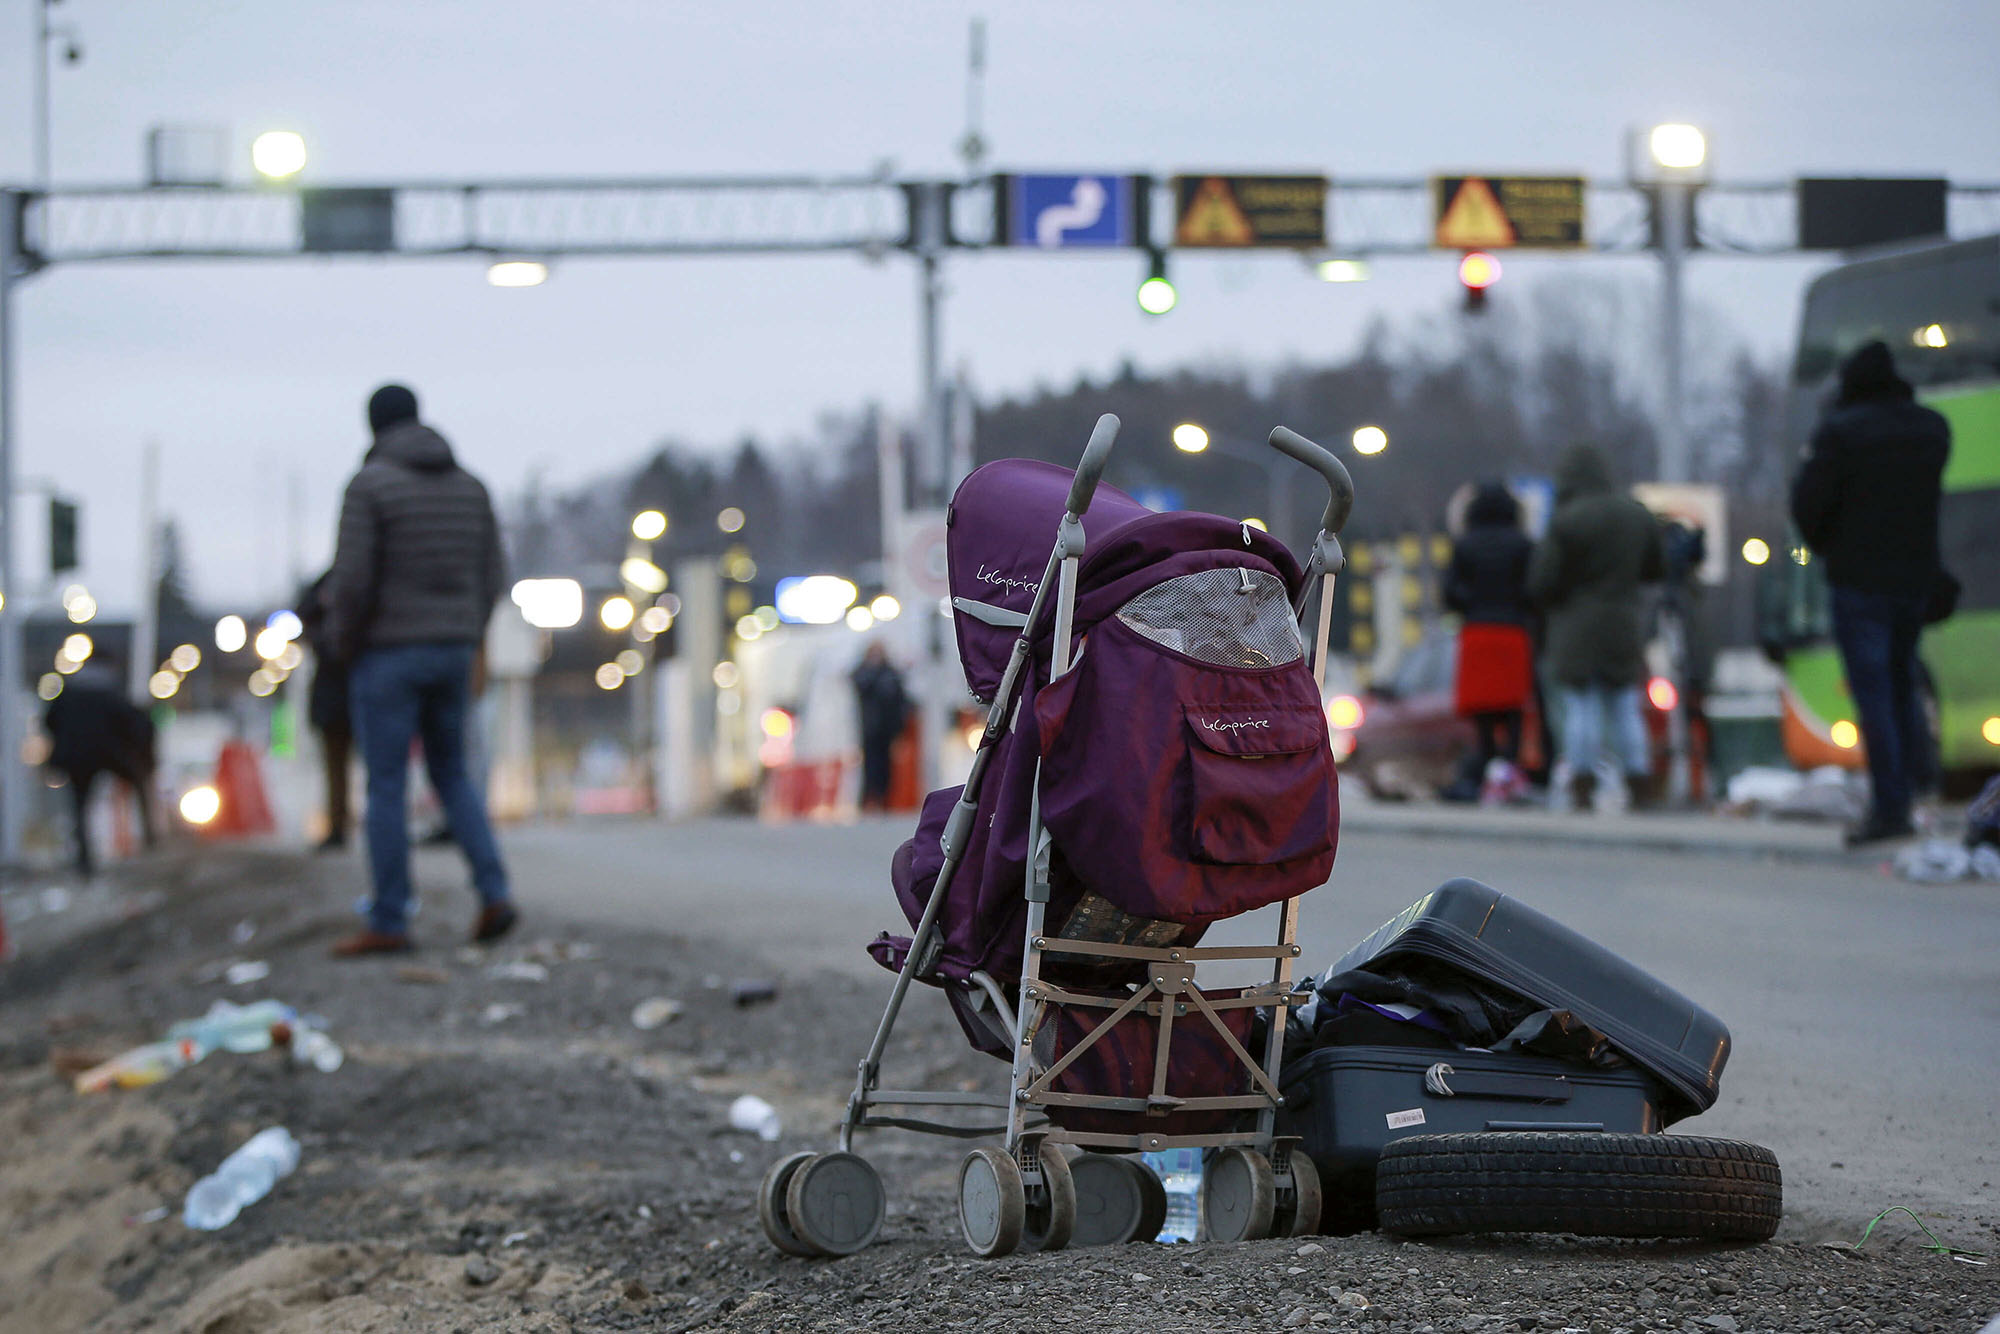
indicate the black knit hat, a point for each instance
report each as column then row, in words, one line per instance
column 390, row 404
column 1871, row 373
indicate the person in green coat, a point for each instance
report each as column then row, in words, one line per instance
column 1587, row 575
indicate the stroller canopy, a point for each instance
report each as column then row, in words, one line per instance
column 1000, row 527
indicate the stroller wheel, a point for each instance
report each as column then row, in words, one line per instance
column 1118, row 1199
column 771, row 1206
column 1239, row 1194
column 1299, row 1216
column 1051, row 1211
column 835, row 1203
column 992, row 1202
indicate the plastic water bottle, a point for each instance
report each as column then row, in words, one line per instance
column 245, row 1177
column 1179, row 1171
column 237, row 1028
column 142, row 1065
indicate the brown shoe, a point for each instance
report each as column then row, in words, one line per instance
column 363, row 943
column 495, row 921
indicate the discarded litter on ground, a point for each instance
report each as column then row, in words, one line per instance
column 243, row 1178
column 654, row 1011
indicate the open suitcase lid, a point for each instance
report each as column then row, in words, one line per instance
column 1501, row 940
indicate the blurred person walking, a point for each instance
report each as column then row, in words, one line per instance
column 1586, row 575
column 415, row 576
column 1866, row 502
column 94, row 729
column 884, row 707
column 327, row 711
column 1487, row 584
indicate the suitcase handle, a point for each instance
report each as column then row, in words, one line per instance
column 1444, row 1082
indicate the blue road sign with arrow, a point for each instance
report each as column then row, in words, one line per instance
column 1066, row 212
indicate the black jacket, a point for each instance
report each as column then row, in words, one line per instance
column 1601, row 546
column 419, row 557
column 1866, row 500
column 1488, row 579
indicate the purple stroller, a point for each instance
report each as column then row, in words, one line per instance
column 1154, row 760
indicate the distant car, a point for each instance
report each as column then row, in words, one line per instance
column 1404, row 738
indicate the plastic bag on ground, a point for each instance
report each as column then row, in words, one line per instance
column 1934, row 861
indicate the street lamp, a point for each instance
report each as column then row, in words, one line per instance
column 49, row 35
column 1190, row 438
column 649, row 525
column 1675, row 166
column 517, row 273
column 1370, row 440
column 278, row 155
column 1678, row 147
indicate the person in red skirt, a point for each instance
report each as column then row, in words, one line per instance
column 1487, row 584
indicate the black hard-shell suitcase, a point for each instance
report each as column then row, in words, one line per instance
column 1347, row 1103
column 1500, row 940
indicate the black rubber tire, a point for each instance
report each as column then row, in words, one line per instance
column 1593, row 1185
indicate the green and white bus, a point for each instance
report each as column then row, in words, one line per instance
column 1938, row 309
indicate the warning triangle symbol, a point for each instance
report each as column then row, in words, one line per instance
column 1213, row 217
column 1474, row 219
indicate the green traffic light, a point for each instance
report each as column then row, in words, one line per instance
column 1157, row 296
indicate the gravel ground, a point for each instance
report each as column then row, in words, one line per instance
column 502, row 1153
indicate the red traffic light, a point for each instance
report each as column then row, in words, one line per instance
column 1478, row 270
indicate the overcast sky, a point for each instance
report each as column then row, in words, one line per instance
column 250, row 374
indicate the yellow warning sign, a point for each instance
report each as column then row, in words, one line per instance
column 1499, row 212
column 1234, row 211
column 1213, row 218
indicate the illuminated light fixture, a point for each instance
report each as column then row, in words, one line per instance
column 649, row 525
column 885, row 608
column 730, row 520
column 776, row 723
column 1478, row 270
column 1801, row 556
column 1190, row 438
column 616, row 613
column 287, row 624
column 860, row 618
column 739, row 567
column 1662, row 693
column 630, row 661
column 643, row 575
column 768, row 618
column 163, row 684
column 517, row 273
column 608, row 676
column 1990, row 729
column 1370, row 440
column 814, row 599
column 668, row 603
column 748, row 628
column 78, row 604
column 1343, row 271
column 1931, row 335
column 1756, row 550
column 1678, row 147
column 269, row 643
column 1156, row 294
column 49, row 686
column 78, row 648
column 231, row 634
column 262, row 683
column 289, row 657
column 67, row 666
column 549, row 604
column 278, row 155
column 200, row 805
column 184, row 659
column 1844, row 734
column 1344, row 712
column 725, row 675
column 655, row 620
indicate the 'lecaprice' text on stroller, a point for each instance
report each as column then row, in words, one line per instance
column 1007, row 582
column 1235, row 727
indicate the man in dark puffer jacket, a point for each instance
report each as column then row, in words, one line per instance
column 414, row 579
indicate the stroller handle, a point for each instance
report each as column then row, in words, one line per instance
column 1091, row 470
column 1340, row 487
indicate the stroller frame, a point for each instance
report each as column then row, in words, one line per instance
column 833, row 1204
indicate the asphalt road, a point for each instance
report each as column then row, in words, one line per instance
column 1865, row 1011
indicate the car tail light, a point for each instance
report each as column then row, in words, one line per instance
column 1343, row 713
column 1662, row 693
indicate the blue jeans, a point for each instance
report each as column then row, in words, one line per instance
column 1583, row 712
column 400, row 692
column 1877, row 634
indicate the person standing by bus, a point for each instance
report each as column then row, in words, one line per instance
column 1866, row 502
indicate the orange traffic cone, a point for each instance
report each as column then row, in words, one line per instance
column 240, row 784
